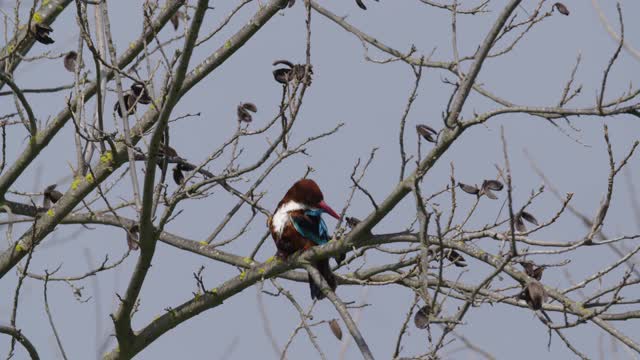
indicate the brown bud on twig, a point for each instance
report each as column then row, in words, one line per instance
column 469, row 189
column 243, row 112
column 51, row 195
column 132, row 237
column 70, row 61
column 335, row 329
column 41, row 32
column 427, row 133
column 562, row 9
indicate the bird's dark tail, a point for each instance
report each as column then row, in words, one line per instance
column 325, row 270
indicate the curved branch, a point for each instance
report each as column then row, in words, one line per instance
column 17, row 334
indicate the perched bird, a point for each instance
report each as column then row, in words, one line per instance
column 297, row 225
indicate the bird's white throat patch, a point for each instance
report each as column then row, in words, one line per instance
column 281, row 217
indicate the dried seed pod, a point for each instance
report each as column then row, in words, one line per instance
column 41, row 33
column 130, row 102
column 283, row 62
column 70, row 61
column 492, row 185
column 140, row 93
column 421, row 318
column 519, row 224
column 351, row 221
column 298, row 73
column 488, row 186
column 335, row 329
column 132, row 237
column 178, row 176
column 281, row 75
column 427, row 133
column 455, row 257
column 534, row 294
column 243, row 112
column 250, row 106
column 186, row 166
column 51, row 195
column 562, row 9
column 529, row 218
column 489, row 194
column 469, row 189
column 175, row 20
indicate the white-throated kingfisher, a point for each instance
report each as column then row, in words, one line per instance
column 297, row 225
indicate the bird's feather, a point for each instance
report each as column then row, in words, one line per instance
column 310, row 225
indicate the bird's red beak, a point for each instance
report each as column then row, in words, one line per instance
column 323, row 205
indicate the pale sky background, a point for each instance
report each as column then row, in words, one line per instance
column 369, row 99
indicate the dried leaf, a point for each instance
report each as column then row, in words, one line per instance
column 335, row 328
column 489, row 194
column 519, row 224
column 562, row 9
column 456, row 258
column 492, row 185
column 178, row 176
column 421, row 318
column 243, row 115
column 130, row 102
column 427, row 133
column 281, row 75
column 283, row 62
column 469, row 189
column 132, row 237
column 70, row 61
column 186, row 166
column 530, row 218
column 51, row 195
column 175, row 20
column 250, row 106
column 140, row 93
column 41, row 32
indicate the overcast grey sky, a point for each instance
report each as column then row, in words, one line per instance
column 369, row 98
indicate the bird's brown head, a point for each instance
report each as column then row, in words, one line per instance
column 307, row 192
